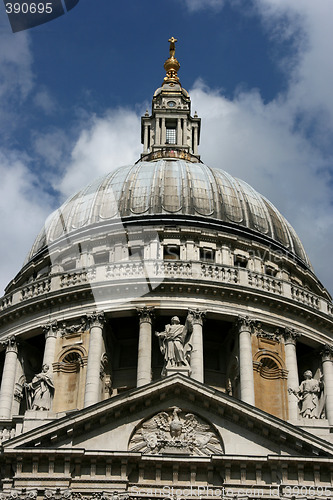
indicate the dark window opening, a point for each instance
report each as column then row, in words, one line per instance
column 101, row 258
column 171, row 252
column 135, row 252
column 240, row 261
column 270, row 271
column 207, row 254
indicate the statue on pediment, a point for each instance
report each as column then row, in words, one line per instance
column 41, row 390
column 308, row 395
column 175, row 344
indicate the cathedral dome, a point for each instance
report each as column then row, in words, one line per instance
column 172, row 190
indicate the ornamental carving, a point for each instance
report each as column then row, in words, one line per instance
column 96, row 319
column 176, row 431
column 290, row 335
column 257, row 327
column 10, row 344
column 145, row 314
column 16, row 494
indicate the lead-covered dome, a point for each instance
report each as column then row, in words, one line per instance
column 172, row 188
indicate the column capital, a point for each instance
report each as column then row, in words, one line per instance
column 198, row 316
column 10, row 344
column 96, row 319
column 290, row 335
column 145, row 313
column 244, row 323
column 50, row 329
column 326, row 352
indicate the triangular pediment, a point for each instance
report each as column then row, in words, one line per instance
column 118, row 424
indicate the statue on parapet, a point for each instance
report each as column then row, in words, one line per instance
column 175, row 343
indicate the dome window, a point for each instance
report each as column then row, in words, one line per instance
column 270, row 270
column 101, row 258
column 171, row 252
column 207, row 254
column 170, row 136
column 240, row 260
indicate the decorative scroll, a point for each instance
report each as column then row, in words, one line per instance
column 175, row 431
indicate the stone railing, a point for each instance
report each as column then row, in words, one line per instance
column 304, row 296
column 264, row 282
column 7, row 431
column 158, row 271
column 36, row 288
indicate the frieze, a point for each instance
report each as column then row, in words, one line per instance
column 175, row 431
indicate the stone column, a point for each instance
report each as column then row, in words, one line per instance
column 157, row 132
column 290, row 337
column 145, row 138
column 197, row 364
column 246, row 360
column 163, row 133
column 50, row 331
column 145, row 345
column 8, row 378
column 326, row 355
column 195, row 140
column 185, row 132
column 93, row 389
column 179, row 132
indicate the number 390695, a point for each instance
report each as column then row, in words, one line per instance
column 28, row 8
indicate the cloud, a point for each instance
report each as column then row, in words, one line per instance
column 23, row 208
column 44, row 101
column 104, row 143
column 195, row 5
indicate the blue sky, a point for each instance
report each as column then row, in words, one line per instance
column 260, row 74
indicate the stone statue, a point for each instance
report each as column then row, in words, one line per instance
column 308, row 395
column 175, row 343
column 41, row 390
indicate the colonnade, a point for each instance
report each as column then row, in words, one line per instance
column 144, row 375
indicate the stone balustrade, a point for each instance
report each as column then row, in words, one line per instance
column 160, row 270
column 36, row 288
column 7, row 431
column 304, row 296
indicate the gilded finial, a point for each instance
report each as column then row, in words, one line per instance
column 171, row 65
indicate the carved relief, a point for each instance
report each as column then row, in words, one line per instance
column 258, row 330
column 175, row 431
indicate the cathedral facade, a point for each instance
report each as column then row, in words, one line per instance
column 166, row 337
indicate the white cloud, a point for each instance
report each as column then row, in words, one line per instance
column 23, row 208
column 105, row 143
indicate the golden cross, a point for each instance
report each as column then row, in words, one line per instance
column 172, row 41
